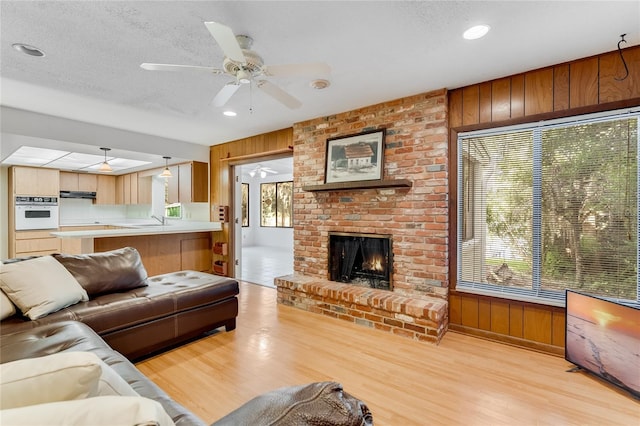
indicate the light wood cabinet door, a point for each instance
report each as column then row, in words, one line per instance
column 36, row 181
column 144, row 189
column 193, row 182
column 35, row 243
column 120, row 189
column 106, row 189
column 184, row 183
column 126, row 189
column 133, row 188
column 68, row 181
column 87, row 182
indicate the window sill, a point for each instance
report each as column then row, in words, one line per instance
column 510, row 296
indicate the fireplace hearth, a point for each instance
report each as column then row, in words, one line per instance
column 361, row 259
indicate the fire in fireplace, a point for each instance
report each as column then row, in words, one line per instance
column 361, row 259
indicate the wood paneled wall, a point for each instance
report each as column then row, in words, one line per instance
column 573, row 88
column 270, row 145
column 566, row 89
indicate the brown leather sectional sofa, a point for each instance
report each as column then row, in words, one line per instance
column 119, row 323
column 128, row 315
column 158, row 312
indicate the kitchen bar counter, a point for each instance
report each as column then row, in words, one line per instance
column 134, row 229
column 177, row 246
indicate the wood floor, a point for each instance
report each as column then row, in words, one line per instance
column 463, row 381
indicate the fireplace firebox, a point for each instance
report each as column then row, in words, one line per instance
column 361, row 259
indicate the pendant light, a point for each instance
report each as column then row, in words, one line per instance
column 166, row 173
column 105, row 167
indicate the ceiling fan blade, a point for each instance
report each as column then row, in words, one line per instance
column 225, row 94
column 268, row 170
column 278, row 94
column 227, row 41
column 171, row 67
column 311, row 68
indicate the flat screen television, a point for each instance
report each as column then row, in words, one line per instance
column 603, row 338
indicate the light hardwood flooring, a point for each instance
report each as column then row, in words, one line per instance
column 462, row 381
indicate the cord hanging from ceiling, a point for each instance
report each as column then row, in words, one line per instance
column 622, row 40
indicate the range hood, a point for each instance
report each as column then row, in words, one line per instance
column 78, row 194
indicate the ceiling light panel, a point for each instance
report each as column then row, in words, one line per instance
column 117, row 164
column 75, row 161
column 29, row 156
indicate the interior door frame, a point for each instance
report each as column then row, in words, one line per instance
column 235, row 247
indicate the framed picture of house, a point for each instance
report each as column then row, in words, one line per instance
column 355, row 157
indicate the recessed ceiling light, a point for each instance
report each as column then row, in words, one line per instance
column 230, row 113
column 320, row 84
column 26, row 49
column 476, row 32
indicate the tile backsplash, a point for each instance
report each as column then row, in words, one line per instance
column 79, row 211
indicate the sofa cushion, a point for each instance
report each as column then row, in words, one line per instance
column 106, row 272
column 322, row 403
column 7, row 308
column 67, row 336
column 98, row 411
column 40, row 286
column 59, row 377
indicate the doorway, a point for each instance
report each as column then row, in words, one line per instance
column 263, row 226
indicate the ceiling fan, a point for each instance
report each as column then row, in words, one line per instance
column 262, row 171
column 246, row 66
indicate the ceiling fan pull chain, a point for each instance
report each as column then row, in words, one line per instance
column 251, row 97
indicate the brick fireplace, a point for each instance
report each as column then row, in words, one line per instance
column 415, row 218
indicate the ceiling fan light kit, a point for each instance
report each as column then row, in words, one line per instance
column 246, row 66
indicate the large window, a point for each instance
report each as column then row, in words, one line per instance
column 548, row 207
column 276, row 204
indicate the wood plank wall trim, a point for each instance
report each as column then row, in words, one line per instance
column 573, row 88
column 588, row 82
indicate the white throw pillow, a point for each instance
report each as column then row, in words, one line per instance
column 40, row 286
column 110, row 383
column 58, row 377
column 98, row 411
column 7, row 308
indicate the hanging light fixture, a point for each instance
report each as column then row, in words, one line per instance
column 166, row 173
column 105, row 167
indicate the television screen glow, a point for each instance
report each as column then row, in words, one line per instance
column 603, row 337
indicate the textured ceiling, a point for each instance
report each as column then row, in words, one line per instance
column 377, row 51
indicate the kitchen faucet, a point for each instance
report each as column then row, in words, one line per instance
column 160, row 219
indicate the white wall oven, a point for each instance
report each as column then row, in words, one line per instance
column 36, row 213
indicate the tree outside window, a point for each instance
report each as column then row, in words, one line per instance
column 553, row 207
column 276, row 204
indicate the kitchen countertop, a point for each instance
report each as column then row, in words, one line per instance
column 126, row 229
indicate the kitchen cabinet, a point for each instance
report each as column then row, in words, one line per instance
column 144, row 189
column 70, row 181
column 189, row 183
column 194, row 182
column 127, row 189
column 35, row 181
column 34, row 243
column 106, row 189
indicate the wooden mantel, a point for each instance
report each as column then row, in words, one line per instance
column 363, row 184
